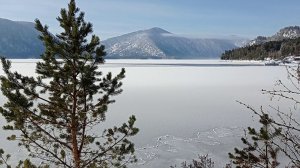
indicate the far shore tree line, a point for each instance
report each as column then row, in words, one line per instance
column 57, row 115
column 271, row 49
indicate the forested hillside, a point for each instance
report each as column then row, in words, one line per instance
column 272, row 49
column 284, row 43
column 19, row 40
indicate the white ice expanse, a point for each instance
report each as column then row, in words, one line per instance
column 183, row 107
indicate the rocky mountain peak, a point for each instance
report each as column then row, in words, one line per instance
column 290, row 32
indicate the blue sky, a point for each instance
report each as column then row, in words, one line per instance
column 196, row 18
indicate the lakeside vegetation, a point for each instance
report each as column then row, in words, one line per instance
column 271, row 49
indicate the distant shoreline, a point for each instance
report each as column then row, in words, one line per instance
column 165, row 62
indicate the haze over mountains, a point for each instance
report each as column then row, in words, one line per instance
column 20, row 40
column 159, row 43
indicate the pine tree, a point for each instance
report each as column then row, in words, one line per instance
column 260, row 150
column 59, row 112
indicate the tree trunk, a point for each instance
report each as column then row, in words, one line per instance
column 75, row 151
column 74, row 125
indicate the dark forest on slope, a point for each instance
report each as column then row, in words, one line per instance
column 272, row 49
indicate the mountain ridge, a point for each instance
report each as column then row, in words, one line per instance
column 158, row 43
column 289, row 32
column 19, row 39
column 286, row 42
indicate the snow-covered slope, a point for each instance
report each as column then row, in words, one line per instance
column 134, row 45
column 159, row 43
column 287, row 33
column 290, row 32
column 19, row 40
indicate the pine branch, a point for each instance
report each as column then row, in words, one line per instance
column 46, row 150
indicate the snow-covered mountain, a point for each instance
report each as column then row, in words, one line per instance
column 290, row 32
column 19, row 40
column 158, row 43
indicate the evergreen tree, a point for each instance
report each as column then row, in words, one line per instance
column 4, row 159
column 59, row 112
column 260, row 150
column 278, row 135
column 203, row 161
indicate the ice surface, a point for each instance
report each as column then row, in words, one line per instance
column 183, row 107
column 171, row 150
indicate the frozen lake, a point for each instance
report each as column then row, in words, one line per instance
column 185, row 107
